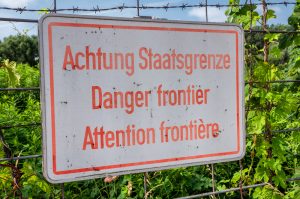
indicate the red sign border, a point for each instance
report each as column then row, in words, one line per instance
column 52, row 108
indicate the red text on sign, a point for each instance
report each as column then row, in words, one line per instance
column 131, row 136
column 98, row 60
column 188, row 96
column 195, row 130
column 118, row 99
column 189, row 62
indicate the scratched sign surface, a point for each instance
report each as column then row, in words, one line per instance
column 129, row 95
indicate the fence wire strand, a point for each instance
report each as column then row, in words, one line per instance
column 21, row 20
column 139, row 7
column 39, row 155
column 165, row 6
column 234, row 189
column 21, row 157
column 20, row 125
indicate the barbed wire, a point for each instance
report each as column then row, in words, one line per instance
column 122, row 7
column 250, row 31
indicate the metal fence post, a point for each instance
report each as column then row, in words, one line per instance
column 213, row 180
column 206, row 13
column 54, row 5
column 145, row 185
column 138, row 7
column 62, row 187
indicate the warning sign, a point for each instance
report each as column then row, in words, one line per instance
column 130, row 95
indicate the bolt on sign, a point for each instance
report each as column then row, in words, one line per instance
column 132, row 95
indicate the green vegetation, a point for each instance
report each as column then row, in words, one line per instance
column 271, row 157
column 20, row 48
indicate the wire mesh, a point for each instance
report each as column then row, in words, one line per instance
column 140, row 7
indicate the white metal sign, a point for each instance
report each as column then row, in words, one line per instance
column 130, row 95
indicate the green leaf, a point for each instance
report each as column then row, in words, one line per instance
column 271, row 37
column 270, row 14
column 10, row 67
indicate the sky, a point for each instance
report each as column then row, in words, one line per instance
column 188, row 14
